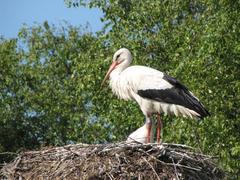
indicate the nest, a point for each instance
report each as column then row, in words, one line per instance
column 113, row 161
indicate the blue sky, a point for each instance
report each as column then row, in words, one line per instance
column 14, row 13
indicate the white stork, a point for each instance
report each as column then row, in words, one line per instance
column 154, row 91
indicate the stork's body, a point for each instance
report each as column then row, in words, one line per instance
column 154, row 91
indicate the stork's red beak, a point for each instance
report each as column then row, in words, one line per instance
column 112, row 67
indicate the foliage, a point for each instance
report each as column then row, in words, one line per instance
column 50, row 78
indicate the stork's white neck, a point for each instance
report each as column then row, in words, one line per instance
column 119, row 83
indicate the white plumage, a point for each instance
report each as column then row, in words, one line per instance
column 154, row 91
column 141, row 135
column 126, row 84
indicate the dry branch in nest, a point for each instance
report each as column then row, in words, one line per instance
column 113, row 161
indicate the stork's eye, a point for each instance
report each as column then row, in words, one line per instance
column 118, row 56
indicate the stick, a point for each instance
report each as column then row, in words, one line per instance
column 151, row 168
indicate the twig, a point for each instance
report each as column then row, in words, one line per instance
column 177, row 145
column 175, row 169
column 110, row 176
column 170, row 164
column 151, row 168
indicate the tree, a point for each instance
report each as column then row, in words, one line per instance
column 46, row 77
column 51, row 86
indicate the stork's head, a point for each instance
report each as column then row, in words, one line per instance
column 122, row 58
column 122, row 55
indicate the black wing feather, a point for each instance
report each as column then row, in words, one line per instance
column 178, row 94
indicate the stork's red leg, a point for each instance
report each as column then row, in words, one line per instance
column 148, row 120
column 149, row 132
column 159, row 127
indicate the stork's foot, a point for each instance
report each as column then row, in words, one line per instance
column 160, row 146
column 160, row 141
